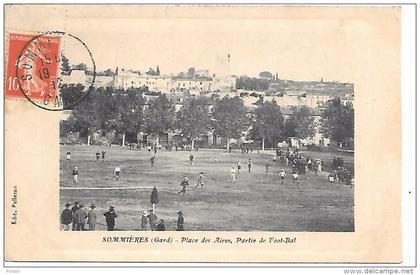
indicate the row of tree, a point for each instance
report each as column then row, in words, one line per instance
column 128, row 113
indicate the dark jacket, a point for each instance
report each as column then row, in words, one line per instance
column 66, row 216
column 154, row 197
column 180, row 223
column 110, row 218
column 160, row 227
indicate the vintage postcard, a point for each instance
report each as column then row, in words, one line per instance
column 202, row 133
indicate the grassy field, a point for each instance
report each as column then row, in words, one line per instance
column 256, row 202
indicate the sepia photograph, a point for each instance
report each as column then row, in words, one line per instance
column 203, row 133
column 224, row 137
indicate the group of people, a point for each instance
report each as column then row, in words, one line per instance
column 341, row 174
column 78, row 216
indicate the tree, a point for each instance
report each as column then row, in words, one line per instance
column 268, row 124
column 159, row 116
column 266, row 75
column 248, row 83
column 301, row 124
column 151, row 72
column 194, row 118
column 229, row 118
column 84, row 118
column 129, row 113
column 191, row 72
column 337, row 120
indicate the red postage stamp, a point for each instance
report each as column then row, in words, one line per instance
column 32, row 67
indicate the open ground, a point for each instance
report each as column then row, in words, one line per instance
column 256, row 202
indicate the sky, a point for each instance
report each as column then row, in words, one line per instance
column 296, row 45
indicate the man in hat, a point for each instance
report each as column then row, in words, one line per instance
column 110, row 216
column 103, row 155
column 180, row 222
column 97, row 156
column 152, row 220
column 80, row 218
column 191, row 159
column 144, row 221
column 160, row 226
column 75, row 173
column 68, row 155
column 184, row 184
column 154, row 199
column 66, row 218
column 73, row 211
column 92, row 218
column 249, row 165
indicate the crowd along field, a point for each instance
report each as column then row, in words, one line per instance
column 256, row 202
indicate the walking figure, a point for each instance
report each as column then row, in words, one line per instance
column 267, row 166
column 152, row 160
column 117, row 172
column 75, row 174
column 184, row 184
column 249, row 165
column 200, row 180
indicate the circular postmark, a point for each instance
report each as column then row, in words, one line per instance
column 55, row 70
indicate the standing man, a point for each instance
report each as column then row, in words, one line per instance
column 233, row 174
column 180, row 222
column 154, row 199
column 191, row 159
column 92, row 218
column 144, row 221
column 249, row 165
column 110, row 216
column 282, row 175
column 184, row 184
column 97, row 156
column 117, row 172
column 152, row 220
column 239, row 166
column 66, row 218
column 75, row 173
column 73, row 214
column 267, row 166
column 68, row 155
column 103, row 155
column 80, row 218
column 295, row 176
